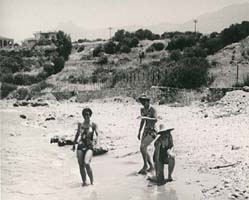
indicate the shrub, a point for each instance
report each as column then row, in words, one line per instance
column 181, row 42
column 7, row 78
column 48, row 68
column 175, row 55
column 42, row 76
column 24, row 79
column 6, row 88
column 158, row 46
column 81, row 48
column 22, row 93
column 97, row 50
column 58, row 64
column 194, row 52
column 11, row 64
column 119, row 35
column 125, row 49
column 103, row 60
column 188, row 73
column 110, row 47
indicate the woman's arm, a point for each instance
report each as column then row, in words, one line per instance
column 140, row 128
column 149, row 118
column 96, row 131
column 76, row 136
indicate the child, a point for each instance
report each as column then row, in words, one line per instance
column 164, row 155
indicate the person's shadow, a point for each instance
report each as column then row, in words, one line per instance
column 164, row 193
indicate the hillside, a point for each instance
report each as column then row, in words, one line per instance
column 81, row 65
column 227, row 59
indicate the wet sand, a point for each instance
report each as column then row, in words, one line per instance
column 32, row 168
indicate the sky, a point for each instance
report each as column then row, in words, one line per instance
column 19, row 19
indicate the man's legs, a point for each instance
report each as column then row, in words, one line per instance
column 160, row 173
column 171, row 167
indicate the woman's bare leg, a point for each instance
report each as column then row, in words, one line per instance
column 80, row 156
column 88, row 158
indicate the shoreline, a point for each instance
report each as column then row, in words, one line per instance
column 33, row 168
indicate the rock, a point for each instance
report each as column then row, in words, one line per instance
column 54, row 139
column 246, row 88
column 36, row 104
column 49, row 118
column 99, row 151
column 23, row 116
column 235, row 147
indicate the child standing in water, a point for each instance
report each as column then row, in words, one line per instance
column 164, row 155
column 85, row 132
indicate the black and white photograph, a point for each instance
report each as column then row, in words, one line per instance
column 124, row 99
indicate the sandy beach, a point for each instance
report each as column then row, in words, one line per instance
column 207, row 140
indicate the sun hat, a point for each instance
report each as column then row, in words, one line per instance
column 87, row 110
column 144, row 97
column 163, row 129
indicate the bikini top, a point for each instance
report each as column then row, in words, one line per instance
column 151, row 112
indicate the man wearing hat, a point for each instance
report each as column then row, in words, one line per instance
column 164, row 155
column 147, row 123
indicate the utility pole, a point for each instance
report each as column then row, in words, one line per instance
column 195, row 22
column 237, row 74
column 110, row 30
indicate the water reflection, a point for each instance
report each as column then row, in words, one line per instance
column 164, row 193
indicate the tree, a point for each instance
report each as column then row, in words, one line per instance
column 64, row 44
column 188, row 73
column 110, row 47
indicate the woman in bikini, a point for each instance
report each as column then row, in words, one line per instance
column 148, row 121
column 85, row 132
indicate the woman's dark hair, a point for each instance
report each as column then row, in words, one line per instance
column 87, row 110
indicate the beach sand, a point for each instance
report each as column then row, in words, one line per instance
column 32, row 168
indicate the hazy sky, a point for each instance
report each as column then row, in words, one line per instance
column 20, row 18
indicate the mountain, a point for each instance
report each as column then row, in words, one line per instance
column 207, row 23
column 217, row 21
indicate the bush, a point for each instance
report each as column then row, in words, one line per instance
column 58, row 64
column 144, row 34
column 97, row 50
column 110, row 47
column 48, row 68
column 6, row 88
column 181, row 42
column 158, row 46
column 25, row 79
column 22, row 93
column 103, row 60
column 11, row 64
column 175, row 55
column 42, row 76
column 125, row 49
column 188, row 73
column 194, row 52
column 81, row 48
column 7, row 78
